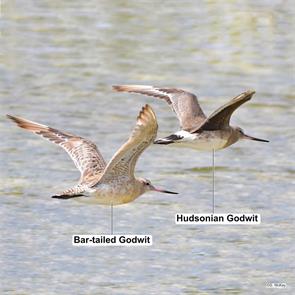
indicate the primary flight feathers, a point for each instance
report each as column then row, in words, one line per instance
column 187, row 107
column 83, row 152
column 183, row 103
column 123, row 162
column 197, row 131
column 87, row 157
column 221, row 117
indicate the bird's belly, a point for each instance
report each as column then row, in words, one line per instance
column 206, row 141
column 108, row 195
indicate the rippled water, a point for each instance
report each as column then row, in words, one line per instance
column 58, row 62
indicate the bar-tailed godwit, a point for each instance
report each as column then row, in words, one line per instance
column 197, row 131
column 111, row 184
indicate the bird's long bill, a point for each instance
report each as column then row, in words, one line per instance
column 255, row 138
column 164, row 191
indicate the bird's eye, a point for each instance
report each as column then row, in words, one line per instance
column 147, row 183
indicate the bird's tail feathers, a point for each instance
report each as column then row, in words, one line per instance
column 74, row 192
column 169, row 139
column 65, row 197
column 163, row 141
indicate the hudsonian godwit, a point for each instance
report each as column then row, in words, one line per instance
column 197, row 130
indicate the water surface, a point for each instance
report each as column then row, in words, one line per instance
column 58, row 62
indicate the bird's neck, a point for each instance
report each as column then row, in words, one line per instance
column 234, row 136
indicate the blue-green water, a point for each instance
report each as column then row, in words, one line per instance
column 58, row 62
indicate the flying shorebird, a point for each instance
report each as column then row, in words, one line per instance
column 111, row 184
column 197, row 131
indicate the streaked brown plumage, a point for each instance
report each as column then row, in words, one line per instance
column 114, row 183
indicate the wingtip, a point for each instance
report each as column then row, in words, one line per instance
column 135, row 88
column 247, row 95
column 116, row 87
column 146, row 108
column 142, row 112
column 120, row 88
column 13, row 118
column 18, row 120
column 10, row 116
column 250, row 92
column 149, row 109
column 146, row 114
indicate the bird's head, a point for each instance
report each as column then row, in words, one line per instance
column 147, row 186
column 241, row 135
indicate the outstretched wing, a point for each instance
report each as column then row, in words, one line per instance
column 221, row 117
column 121, row 166
column 83, row 152
column 183, row 103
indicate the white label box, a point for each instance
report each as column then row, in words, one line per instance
column 112, row 240
column 211, row 219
